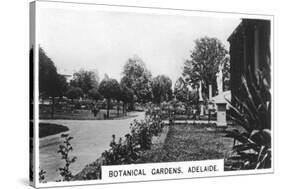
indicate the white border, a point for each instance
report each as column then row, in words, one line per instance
column 36, row 99
column 148, row 10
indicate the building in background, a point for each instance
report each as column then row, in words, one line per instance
column 66, row 74
column 249, row 52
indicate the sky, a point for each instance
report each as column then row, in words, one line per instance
column 103, row 41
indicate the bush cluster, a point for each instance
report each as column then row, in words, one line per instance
column 128, row 150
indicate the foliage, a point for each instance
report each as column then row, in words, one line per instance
column 253, row 113
column 154, row 122
column 51, row 84
column 90, row 172
column 136, row 142
column 121, row 152
column 184, row 93
column 94, row 94
column 86, row 80
column 109, row 89
column 137, row 78
column 74, row 93
column 204, row 62
column 119, row 96
column 42, row 176
column 127, row 95
column 64, row 150
column 161, row 88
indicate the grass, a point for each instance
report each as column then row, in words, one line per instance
column 183, row 143
column 47, row 129
column 191, row 143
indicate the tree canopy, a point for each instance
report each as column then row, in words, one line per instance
column 127, row 93
column 204, row 62
column 94, row 94
column 50, row 82
column 109, row 88
column 184, row 93
column 161, row 88
column 86, row 80
column 137, row 78
column 74, row 93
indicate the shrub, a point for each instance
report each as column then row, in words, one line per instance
column 64, row 150
column 121, row 152
column 253, row 113
column 42, row 176
column 129, row 150
column 125, row 151
column 155, row 124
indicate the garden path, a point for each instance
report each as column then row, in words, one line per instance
column 91, row 138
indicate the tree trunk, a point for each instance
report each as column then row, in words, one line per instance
column 123, row 108
column 118, row 108
column 108, row 100
column 186, row 113
column 53, row 107
column 126, row 108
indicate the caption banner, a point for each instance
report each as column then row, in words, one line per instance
column 157, row 171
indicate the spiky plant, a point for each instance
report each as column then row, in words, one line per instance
column 252, row 112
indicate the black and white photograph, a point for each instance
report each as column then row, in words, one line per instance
column 117, row 86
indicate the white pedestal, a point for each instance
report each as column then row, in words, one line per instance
column 201, row 108
column 221, row 115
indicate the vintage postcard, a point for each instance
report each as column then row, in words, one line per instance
column 128, row 94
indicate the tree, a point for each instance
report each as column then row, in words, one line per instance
column 127, row 96
column 204, row 62
column 74, row 93
column 185, row 93
column 119, row 97
column 109, row 89
column 137, row 78
column 161, row 88
column 180, row 89
column 94, row 94
column 51, row 84
column 86, row 80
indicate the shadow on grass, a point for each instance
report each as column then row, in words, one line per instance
column 47, row 129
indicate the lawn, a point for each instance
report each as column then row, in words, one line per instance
column 47, row 129
column 183, row 143
column 191, row 143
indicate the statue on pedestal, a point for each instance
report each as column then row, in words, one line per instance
column 220, row 101
column 201, row 99
column 220, row 79
column 200, row 91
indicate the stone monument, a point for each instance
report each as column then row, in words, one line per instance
column 210, row 92
column 220, row 101
column 219, row 80
column 201, row 99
